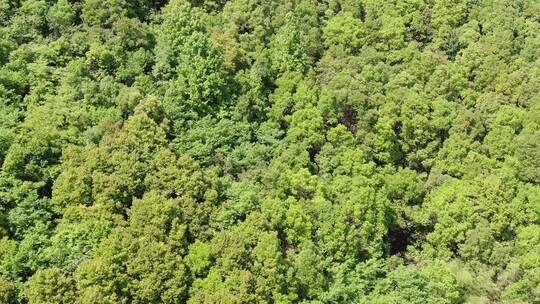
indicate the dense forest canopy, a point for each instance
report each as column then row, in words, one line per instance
column 270, row 151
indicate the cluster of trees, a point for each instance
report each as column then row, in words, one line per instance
column 269, row 151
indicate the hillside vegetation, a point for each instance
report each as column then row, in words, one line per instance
column 269, row 151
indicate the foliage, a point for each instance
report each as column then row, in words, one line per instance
column 247, row 151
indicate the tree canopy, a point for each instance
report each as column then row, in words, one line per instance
column 279, row 151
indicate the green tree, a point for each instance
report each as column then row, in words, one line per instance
column 50, row 286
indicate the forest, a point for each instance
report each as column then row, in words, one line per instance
column 269, row 151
